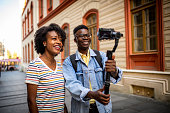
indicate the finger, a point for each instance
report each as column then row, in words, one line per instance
column 105, row 102
column 105, row 95
column 112, row 62
column 102, row 89
column 102, row 99
column 113, row 57
column 110, row 68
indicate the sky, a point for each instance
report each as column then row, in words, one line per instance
column 10, row 24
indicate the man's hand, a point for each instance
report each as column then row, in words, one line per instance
column 110, row 66
column 99, row 96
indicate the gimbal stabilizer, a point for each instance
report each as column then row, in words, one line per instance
column 104, row 33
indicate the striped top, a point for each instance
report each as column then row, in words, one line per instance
column 50, row 91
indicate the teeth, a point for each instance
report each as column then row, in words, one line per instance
column 57, row 46
column 85, row 42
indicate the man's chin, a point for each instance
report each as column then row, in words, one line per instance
column 85, row 48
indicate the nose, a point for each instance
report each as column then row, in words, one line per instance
column 85, row 37
column 58, row 41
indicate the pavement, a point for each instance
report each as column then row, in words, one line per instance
column 13, row 98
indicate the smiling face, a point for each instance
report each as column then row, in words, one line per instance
column 82, row 39
column 53, row 43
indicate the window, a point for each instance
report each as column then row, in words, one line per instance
column 31, row 11
column 23, row 29
column 25, row 54
column 28, row 53
column 40, row 9
column 28, row 21
column 25, row 26
column 144, row 26
column 49, row 5
column 144, row 34
column 91, row 20
column 66, row 50
column 32, row 50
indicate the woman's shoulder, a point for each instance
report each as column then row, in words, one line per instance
column 36, row 62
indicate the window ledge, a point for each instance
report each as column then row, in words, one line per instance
column 146, row 71
column 147, row 53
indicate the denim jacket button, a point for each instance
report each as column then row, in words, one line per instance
column 86, row 72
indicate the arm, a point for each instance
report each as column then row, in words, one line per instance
column 32, row 79
column 116, row 73
column 65, row 108
column 31, row 97
column 74, row 86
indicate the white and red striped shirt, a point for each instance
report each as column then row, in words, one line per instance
column 50, row 91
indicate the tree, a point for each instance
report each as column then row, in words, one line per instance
column 14, row 55
column 9, row 54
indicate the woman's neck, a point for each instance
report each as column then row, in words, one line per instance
column 48, row 57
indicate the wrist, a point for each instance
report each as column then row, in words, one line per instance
column 90, row 95
column 115, row 74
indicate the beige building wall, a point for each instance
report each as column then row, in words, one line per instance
column 166, row 20
column 112, row 15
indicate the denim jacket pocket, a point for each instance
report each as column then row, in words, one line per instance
column 99, row 74
column 98, row 70
column 79, row 76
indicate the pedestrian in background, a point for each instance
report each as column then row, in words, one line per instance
column 44, row 77
column 86, row 83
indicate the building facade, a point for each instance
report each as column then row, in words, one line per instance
column 2, row 51
column 143, row 52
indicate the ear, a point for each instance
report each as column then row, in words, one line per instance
column 45, row 43
column 75, row 40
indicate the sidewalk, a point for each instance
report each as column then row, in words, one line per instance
column 13, row 98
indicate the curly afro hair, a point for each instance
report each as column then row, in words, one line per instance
column 40, row 36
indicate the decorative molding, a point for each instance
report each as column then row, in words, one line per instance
column 59, row 9
column 164, row 82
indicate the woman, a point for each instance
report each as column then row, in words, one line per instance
column 45, row 81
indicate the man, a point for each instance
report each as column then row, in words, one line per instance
column 86, row 84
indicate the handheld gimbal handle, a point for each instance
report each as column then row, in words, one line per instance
column 108, row 74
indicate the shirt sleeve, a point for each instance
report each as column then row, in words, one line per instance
column 120, row 73
column 32, row 74
column 73, row 85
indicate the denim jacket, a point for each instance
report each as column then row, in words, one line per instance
column 77, row 83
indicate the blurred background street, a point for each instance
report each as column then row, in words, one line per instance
column 13, row 98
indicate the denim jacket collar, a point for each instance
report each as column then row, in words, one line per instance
column 78, row 57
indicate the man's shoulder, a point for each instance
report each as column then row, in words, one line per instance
column 67, row 59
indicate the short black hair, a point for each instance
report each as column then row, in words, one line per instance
column 79, row 27
column 40, row 36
